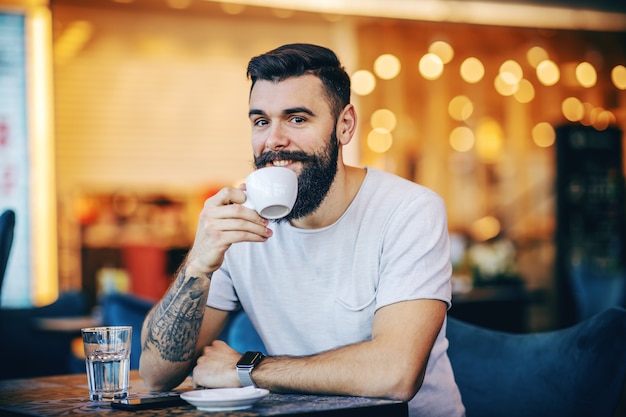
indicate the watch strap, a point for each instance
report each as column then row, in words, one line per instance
column 245, row 376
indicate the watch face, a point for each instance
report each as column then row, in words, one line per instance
column 250, row 358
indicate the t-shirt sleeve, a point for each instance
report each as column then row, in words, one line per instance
column 222, row 294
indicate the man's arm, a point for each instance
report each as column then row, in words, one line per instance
column 171, row 336
column 390, row 365
column 175, row 330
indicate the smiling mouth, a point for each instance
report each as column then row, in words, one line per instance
column 281, row 163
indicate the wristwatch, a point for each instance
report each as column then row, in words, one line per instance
column 246, row 364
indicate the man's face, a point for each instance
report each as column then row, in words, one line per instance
column 293, row 126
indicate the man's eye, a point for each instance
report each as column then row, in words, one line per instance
column 260, row 122
column 298, row 119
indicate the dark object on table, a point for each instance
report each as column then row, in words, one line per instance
column 7, row 226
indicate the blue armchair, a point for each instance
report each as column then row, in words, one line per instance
column 577, row 371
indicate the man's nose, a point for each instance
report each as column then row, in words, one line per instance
column 277, row 139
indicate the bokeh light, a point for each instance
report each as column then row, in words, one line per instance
column 443, row 50
column 431, row 66
column 543, row 135
column 484, row 229
column 572, row 109
column 503, row 87
column 536, row 55
column 525, row 92
column 472, row 70
column 511, row 72
column 586, row 75
column 587, row 114
column 600, row 118
column 460, row 108
column 618, row 76
column 387, row 66
column 489, row 140
column 548, row 73
column 379, row 140
column 363, row 82
column 462, row 139
column 383, row 119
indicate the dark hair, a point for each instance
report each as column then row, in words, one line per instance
column 298, row 59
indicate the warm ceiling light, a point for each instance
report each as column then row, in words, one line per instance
column 462, row 139
column 472, row 70
column 383, row 119
column 535, row 55
column 363, row 82
column 525, row 93
column 443, row 50
column 543, row 135
column 387, row 66
column 548, row 73
column 460, row 108
column 431, row 66
column 572, row 109
column 586, row 75
column 618, row 76
column 379, row 140
column 511, row 72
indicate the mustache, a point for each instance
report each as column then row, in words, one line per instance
column 270, row 156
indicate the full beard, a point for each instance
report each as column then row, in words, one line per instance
column 315, row 179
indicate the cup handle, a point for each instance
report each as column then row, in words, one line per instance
column 248, row 203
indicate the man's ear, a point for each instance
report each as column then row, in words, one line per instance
column 346, row 124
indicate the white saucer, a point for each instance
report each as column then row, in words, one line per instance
column 223, row 399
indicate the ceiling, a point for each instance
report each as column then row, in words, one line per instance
column 614, row 6
column 596, row 15
column 593, row 15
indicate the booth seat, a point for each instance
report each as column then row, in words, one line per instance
column 26, row 350
column 578, row 371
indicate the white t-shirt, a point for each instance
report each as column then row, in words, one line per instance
column 311, row 290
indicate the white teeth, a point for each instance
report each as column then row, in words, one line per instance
column 280, row 163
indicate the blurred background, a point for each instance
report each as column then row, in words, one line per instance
column 119, row 117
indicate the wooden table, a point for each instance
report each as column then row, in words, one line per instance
column 68, row 395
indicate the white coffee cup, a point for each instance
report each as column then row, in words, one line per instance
column 271, row 191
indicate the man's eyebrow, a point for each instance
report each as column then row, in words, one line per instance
column 298, row 110
column 292, row 110
column 256, row 111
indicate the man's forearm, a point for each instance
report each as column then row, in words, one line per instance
column 357, row 369
column 171, row 330
column 391, row 364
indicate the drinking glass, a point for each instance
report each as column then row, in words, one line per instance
column 107, row 360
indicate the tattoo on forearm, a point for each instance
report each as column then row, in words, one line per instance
column 174, row 325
